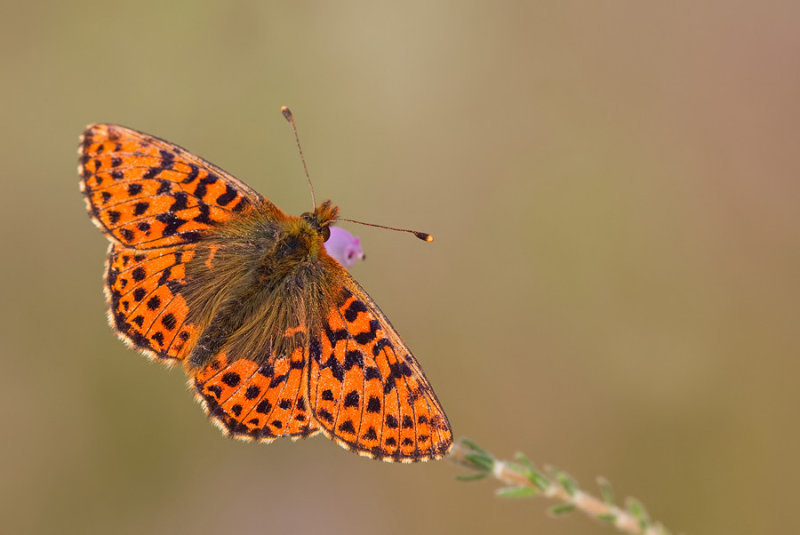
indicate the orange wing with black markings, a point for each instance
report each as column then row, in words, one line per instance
column 367, row 390
column 146, row 307
column 145, row 193
column 256, row 401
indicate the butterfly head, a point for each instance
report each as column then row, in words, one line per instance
column 321, row 218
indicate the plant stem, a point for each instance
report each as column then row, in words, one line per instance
column 524, row 479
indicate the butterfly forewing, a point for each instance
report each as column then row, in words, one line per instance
column 146, row 193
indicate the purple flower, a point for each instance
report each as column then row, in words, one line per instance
column 344, row 247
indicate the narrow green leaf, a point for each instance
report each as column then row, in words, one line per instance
column 562, row 509
column 474, row 447
column 480, row 461
column 524, row 471
column 516, row 492
column 637, row 509
column 608, row 517
column 541, row 482
column 473, row 477
column 605, row 490
column 533, row 474
column 522, row 459
column 566, row 481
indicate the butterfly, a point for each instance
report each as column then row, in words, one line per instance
column 278, row 340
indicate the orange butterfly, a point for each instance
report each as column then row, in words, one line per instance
column 276, row 336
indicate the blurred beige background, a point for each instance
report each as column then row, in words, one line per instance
column 613, row 289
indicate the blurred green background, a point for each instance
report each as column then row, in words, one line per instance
column 613, row 289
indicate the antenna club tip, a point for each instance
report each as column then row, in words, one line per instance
column 424, row 236
column 287, row 113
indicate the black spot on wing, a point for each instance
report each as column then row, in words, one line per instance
column 335, row 336
column 379, row 345
column 181, row 201
column 351, row 313
column 203, row 216
column 169, row 321
column 192, row 174
column 391, row 422
column 372, row 372
column 353, row 358
column 171, row 223
column 127, row 234
column 347, row 427
column 140, row 207
column 374, row 404
column 231, row 379
column 369, row 336
column 351, row 399
column 227, row 197
column 138, row 274
column 337, row 370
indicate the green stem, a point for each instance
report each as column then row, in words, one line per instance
column 523, row 479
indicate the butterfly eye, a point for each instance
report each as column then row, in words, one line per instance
column 326, row 233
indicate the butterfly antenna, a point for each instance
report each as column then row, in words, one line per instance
column 287, row 113
column 424, row 236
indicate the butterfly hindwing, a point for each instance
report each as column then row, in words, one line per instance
column 146, row 193
column 366, row 389
column 146, row 307
column 256, row 401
